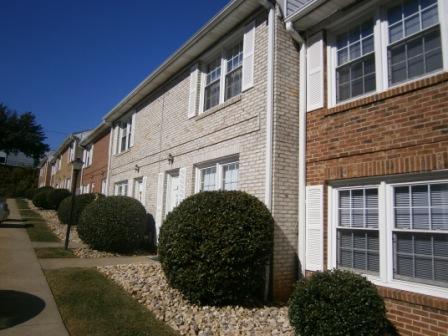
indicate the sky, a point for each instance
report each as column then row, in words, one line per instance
column 71, row 62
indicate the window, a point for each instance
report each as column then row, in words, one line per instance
column 212, row 84
column 357, row 231
column 217, row 87
column 124, row 134
column 402, row 226
column 234, row 71
column 88, row 153
column 355, row 71
column 411, row 46
column 218, row 176
column 414, row 40
column 104, row 186
column 420, row 233
column 138, row 189
column 121, row 188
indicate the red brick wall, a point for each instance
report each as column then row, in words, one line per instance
column 403, row 130
column 97, row 171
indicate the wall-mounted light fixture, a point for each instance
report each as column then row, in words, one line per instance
column 170, row 158
column 137, row 168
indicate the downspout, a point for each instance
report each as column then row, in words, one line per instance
column 109, row 158
column 302, row 145
column 269, row 121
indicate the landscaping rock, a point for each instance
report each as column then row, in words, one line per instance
column 148, row 285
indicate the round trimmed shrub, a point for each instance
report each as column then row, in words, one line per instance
column 29, row 194
column 114, row 224
column 337, row 303
column 55, row 197
column 214, row 247
column 81, row 201
column 40, row 199
column 46, row 188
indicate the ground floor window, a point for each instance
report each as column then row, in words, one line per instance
column 104, row 186
column 121, row 188
column 395, row 231
column 221, row 175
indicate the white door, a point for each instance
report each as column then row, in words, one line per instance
column 138, row 189
column 173, row 195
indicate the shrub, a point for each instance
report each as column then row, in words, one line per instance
column 337, row 303
column 40, row 199
column 214, row 247
column 29, row 194
column 55, row 197
column 46, row 188
column 81, row 201
column 114, row 224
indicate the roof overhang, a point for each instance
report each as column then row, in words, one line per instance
column 216, row 28
column 317, row 11
column 93, row 135
column 68, row 140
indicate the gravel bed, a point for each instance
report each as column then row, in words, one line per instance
column 148, row 285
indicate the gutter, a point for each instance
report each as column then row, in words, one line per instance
column 109, row 157
column 302, row 145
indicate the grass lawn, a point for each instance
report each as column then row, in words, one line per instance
column 53, row 252
column 91, row 304
column 36, row 227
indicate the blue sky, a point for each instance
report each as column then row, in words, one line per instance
column 70, row 62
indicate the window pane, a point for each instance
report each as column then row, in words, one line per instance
column 358, row 208
column 355, row 43
column 230, row 176
column 208, row 179
column 411, row 25
column 358, row 250
column 421, row 257
column 213, row 71
column 439, row 195
column 429, row 17
column 235, row 57
column 420, row 195
column 211, row 95
column 233, row 83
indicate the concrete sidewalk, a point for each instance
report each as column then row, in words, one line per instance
column 23, row 287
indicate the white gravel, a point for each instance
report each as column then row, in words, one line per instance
column 148, row 285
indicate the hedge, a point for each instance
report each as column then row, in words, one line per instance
column 55, row 197
column 81, row 201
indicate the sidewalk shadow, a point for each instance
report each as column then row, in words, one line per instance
column 18, row 307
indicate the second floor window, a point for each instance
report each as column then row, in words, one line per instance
column 234, row 71
column 212, row 84
column 88, row 153
column 123, row 135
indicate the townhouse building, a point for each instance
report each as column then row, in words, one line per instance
column 62, row 168
column 333, row 113
column 95, row 157
column 44, row 166
column 374, row 152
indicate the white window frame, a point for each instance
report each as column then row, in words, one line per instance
column 118, row 187
column 138, row 180
column 219, row 177
column 124, row 132
column 381, row 42
column 386, row 227
column 88, row 153
column 219, row 52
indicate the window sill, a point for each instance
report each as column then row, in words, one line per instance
column 123, row 153
column 390, row 93
column 219, row 107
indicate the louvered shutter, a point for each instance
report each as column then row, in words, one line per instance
column 182, row 182
column 144, row 181
column 132, row 129
column 193, row 97
column 159, row 205
column 248, row 56
column 91, row 153
column 314, row 228
column 114, row 139
column 315, row 72
column 130, row 188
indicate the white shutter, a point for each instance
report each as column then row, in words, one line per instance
column 314, row 228
column 144, row 181
column 114, row 139
column 182, row 183
column 193, row 98
column 132, row 129
column 248, row 56
column 315, row 72
column 91, row 154
column 159, row 205
column 130, row 188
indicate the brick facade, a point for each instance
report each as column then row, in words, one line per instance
column 403, row 130
column 95, row 174
column 61, row 175
column 44, row 174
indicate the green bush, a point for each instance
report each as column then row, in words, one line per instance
column 337, row 303
column 81, row 201
column 55, row 197
column 114, row 224
column 40, row 199
column 214, row 247
column 46, row 188
column 29, row 194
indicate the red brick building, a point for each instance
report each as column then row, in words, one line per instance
column 96, row 160
column 375, row 150
column 44, row 167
